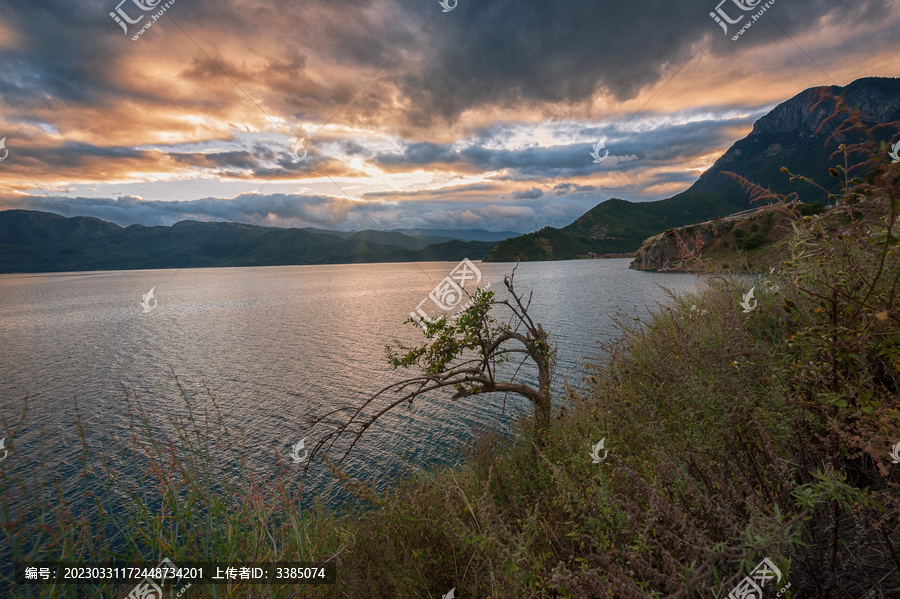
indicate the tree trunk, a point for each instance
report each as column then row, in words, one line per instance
column 542, row 406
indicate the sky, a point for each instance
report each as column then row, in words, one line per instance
column 382, row 114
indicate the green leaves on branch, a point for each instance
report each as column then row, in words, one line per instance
column 449, row 338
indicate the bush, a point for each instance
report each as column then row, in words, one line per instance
column 811, row 208
column 753, row 241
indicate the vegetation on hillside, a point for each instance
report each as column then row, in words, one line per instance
column 611, row 227
column 733, row 436
column 547, row 244
column 33, row 241
column 752, row 243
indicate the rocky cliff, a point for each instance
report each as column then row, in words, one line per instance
column 677, row 249
column 741, row 241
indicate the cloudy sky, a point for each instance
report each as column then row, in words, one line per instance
column 483, row 116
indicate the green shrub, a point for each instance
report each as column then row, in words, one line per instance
column 753, row 241
column 811, row 208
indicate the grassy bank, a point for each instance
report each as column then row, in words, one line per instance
column 733, row 436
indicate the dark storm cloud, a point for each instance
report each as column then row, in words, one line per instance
column 510, row 51
column 420, row 154
column 452, row 93
column 79, row 161
column 529, row 161
column 561, row 189
column 528, row 194
column 665, row 143
column 76, row 154
column 503, row 52
column 56, row 40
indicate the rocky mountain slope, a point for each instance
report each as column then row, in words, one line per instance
column 793, row 135
column 738, row 242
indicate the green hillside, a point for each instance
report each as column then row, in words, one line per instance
column 612, row 227
column 33, row 241
column 546, row 244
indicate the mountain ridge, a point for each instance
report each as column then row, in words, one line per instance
column 34, row 241
column 793, row 135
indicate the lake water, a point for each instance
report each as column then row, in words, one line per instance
column 273, row 345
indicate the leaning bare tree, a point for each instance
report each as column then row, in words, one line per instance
column 462, row 353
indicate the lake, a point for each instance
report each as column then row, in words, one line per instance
column 273, row 344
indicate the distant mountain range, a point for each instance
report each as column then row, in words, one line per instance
column 433, row 235
column 32, row 241
column 787, row 136
column 449, row 234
